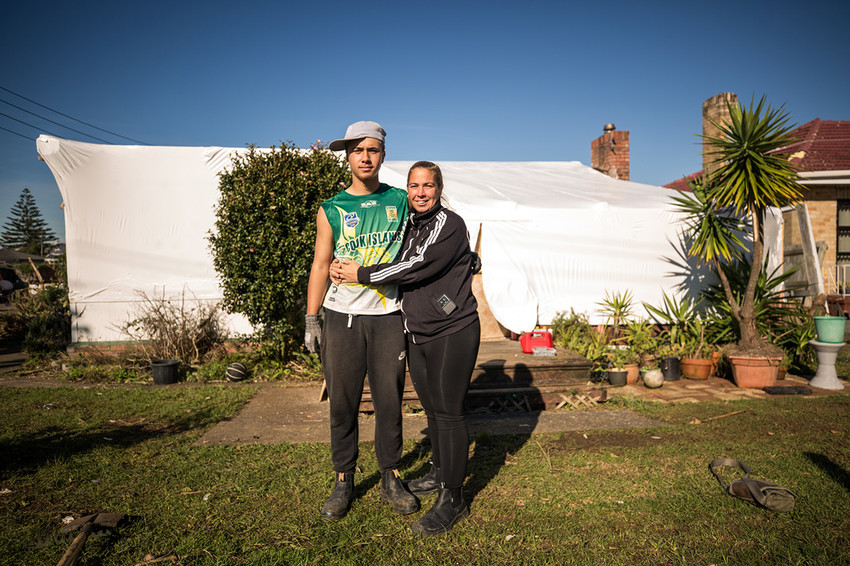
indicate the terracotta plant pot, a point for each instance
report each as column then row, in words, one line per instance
column 693, row 368
column 633, row 375
column 754, row 373
column 715, row 359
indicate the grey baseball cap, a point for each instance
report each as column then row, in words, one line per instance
column 358, row 131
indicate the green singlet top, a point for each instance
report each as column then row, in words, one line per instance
column 367, row 229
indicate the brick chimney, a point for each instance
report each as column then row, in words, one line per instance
column 715, row 109
column 609, row 153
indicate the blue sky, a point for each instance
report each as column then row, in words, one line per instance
column 465, row 81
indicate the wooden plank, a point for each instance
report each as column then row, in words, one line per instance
column 814, row 275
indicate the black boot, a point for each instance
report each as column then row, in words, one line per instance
column 341, row 497
column 428, row 483
column 446, row 512
column 404, row 502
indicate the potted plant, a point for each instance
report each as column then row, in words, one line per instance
column 752, row 174
column 650, row 373
column 669, row 360
column 623, row 366
column 617, row 308
column 640, row 336
column 829, row 328
column 617, row 377
column 696, row 362
column 630, row 361
column 673, row 314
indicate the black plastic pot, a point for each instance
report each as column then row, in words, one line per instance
column 164, row 371
column 617, row 377
column 671, row 368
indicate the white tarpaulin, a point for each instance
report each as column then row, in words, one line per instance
column 554, row 235
column 136, row 221
column 558, row 235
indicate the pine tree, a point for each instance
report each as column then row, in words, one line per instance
column 26, row 229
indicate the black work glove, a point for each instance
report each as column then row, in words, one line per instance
column 476, row 263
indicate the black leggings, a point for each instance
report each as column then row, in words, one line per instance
column 441, row 370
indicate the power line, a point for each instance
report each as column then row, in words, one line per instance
column 53, row 122
column 71, row 117
column 16, row 133
column 27, row 123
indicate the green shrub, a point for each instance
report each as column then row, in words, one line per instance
column 212, row 371
column 574, row 332
column 42, row 320
column 265, row 233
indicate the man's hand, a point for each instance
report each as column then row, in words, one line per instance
column 312, row 333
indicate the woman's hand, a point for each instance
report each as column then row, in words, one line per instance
column 344, row 271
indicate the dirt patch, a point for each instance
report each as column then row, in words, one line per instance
column 599, row 441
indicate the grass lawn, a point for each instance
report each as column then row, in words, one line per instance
column 594, row 497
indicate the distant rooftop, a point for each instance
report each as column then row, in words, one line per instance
column 822, row 145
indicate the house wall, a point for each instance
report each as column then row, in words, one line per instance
column 822, row 202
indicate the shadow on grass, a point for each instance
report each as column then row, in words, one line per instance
column 25, row 454
column 830, row 468
column 362, row 487
column 510, row 419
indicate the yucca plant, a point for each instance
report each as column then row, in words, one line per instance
column 674, row 313
column 617, row 308
column 773, row 305
column 753, row 174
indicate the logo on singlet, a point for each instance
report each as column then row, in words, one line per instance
column 392, row 214
column 351, row 219
column 368, row 204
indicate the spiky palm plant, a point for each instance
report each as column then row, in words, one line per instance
column 753, row 174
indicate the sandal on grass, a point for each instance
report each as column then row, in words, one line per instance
column 758, row 492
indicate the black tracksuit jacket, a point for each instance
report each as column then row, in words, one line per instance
column 434, row 274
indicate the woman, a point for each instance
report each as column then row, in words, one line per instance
column 434, row 274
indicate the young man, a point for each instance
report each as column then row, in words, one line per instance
column 363, row 332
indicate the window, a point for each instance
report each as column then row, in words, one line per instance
column 843, row 234
column 842, row 257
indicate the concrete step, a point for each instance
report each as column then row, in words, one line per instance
column 503, row 372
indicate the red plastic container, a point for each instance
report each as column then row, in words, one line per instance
column 536, row 339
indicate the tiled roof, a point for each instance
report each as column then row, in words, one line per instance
column 682, row 184
column 822, row 145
